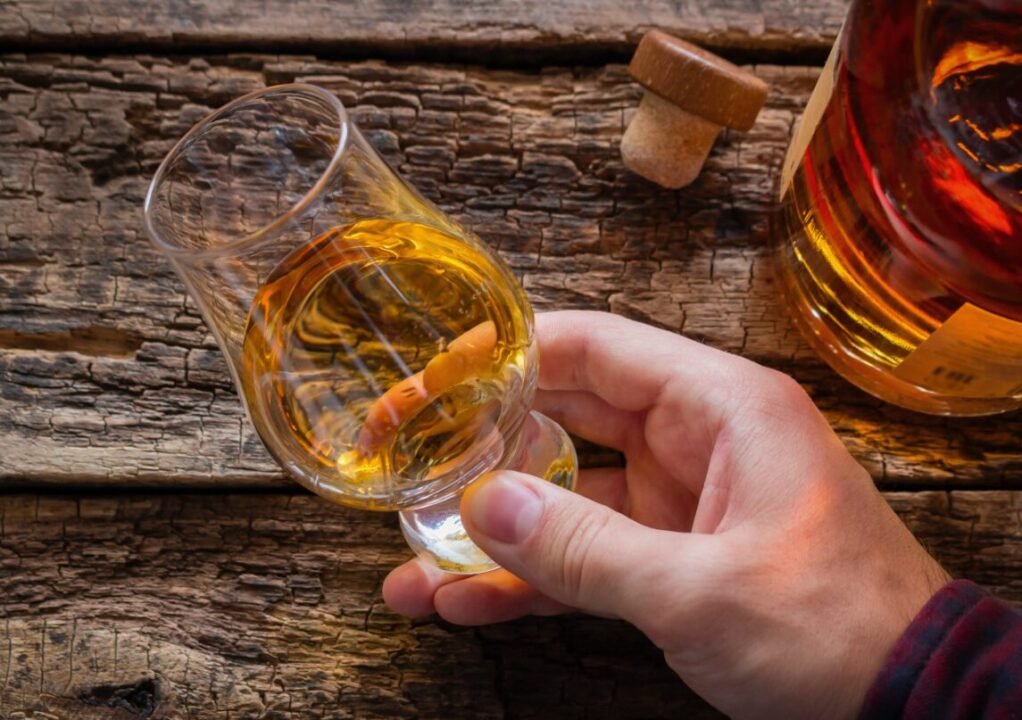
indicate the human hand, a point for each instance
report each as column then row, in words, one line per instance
column 740, row 537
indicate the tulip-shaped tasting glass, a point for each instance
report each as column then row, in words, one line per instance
column 385, row 355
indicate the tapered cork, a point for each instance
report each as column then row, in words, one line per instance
column 666, row 144
column 698, row 81
column 690, row 95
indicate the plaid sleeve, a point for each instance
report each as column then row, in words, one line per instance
column 960, row 658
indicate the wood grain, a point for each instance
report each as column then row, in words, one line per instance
column 108, row 375
column 525, row 32
column 268, row 606
column 116, row 605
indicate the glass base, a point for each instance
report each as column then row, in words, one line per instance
column 435, row 532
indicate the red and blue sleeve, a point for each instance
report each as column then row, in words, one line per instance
column 961, row 657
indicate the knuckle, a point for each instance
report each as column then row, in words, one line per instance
column 784, row 388
column 773, row 394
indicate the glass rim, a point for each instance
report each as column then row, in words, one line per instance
column 278, row 222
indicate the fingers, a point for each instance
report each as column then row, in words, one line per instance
column 409, row 588
column 686, row 392
column 417, row 588
column 492, row 597
column 467, row 356
column 389, row 411
column 591, row 418
column 606, row 486
column 626, row 363
column 571, row 549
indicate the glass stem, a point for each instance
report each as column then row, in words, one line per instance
column 435, row 532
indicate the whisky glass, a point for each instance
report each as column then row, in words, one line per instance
column 384, row 354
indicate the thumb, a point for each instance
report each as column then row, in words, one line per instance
column 572, row 549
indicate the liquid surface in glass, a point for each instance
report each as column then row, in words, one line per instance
column 385, row 354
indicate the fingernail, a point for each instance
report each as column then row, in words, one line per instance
column 504, row 509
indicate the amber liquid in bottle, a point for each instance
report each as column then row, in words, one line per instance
column 901, row 231
column 384, row 352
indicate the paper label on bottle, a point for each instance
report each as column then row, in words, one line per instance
column 974, row 354
column 805, row 127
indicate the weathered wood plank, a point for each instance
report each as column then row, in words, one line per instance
column 268, row 606
column 479, row 31
column 107, row 373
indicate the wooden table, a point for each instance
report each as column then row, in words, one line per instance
column 153, row 560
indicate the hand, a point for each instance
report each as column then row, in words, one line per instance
column 740, row 537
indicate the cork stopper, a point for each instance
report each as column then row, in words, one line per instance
column 691, row 94
column 698, row 81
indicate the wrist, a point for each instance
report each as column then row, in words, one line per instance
column 891, row 611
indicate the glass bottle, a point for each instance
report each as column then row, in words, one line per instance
column 900, row 232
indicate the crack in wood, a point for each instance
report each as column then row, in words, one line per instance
column 92, row 340
column 139, row 698
column 536, row 34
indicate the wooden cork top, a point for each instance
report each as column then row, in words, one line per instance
column 698, row 81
